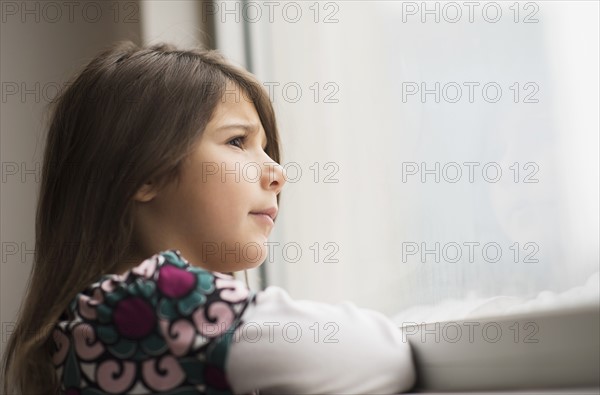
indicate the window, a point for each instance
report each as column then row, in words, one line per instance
column 442, row 157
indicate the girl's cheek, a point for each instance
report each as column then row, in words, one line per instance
column 251, row 171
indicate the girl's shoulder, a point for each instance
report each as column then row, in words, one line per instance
column 160, row 311
column 165, row 283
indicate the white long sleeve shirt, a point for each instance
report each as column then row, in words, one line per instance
column 298, row 347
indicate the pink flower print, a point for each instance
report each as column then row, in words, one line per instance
column 174, row 282
column 147, row 268
column 87, row 305
column 86, row 345
column 111, row 283
column 134, row 318
column 179, row 337
column 220, row 318
column 62, row 344
column 167, row 375
column 115, row 376
column 235, row 295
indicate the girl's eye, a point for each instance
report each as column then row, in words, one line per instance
column 238, row 141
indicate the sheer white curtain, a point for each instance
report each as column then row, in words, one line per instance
column 400, row 201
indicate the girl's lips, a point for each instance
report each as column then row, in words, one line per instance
column 270, row 212
column 263, row 217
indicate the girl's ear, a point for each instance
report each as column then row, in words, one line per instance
column 146, row 193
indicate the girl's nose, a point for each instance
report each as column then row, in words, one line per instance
column 273, row 176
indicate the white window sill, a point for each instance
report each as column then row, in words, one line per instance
column 568, row 391
column 555, row 350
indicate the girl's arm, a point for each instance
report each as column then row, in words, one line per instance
column 168, row 326
column 290, row 346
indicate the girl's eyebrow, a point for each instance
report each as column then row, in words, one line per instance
column 249, row 128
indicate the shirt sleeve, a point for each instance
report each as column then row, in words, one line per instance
column 288, row 346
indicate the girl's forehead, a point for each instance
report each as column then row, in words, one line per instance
column 236, row 114
column 236, row 105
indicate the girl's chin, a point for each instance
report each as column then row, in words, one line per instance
column 251, row 256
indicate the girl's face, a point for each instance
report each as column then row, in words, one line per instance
column 211, row 216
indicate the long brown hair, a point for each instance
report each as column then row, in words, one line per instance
column 131, row 115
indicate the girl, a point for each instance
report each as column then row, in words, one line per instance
column 143, row 213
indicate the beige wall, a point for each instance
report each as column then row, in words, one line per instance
column 42, row 43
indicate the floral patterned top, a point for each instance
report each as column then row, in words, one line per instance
column 169, row 327
column 165, row 326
